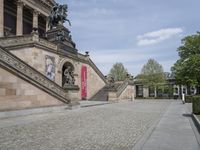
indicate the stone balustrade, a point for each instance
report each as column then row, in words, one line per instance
column 26, row 72
column 25, row 40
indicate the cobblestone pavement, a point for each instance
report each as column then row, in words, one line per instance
column 114, row 126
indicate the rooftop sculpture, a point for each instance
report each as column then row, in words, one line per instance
column 58, row 15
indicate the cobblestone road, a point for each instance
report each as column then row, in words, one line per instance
column 108, row 127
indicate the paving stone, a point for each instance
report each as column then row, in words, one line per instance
column 115, row 126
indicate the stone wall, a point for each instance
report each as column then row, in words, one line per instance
column 112, row 96
column 145, row 92
column 16, row 93
column 35, row 57
column 128, row 93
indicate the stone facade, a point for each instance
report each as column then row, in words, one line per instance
column 37, row 63
column 145, row 92
column 26, row 14
column 128, row 93
column 124, row 92
column 16, row 93
column 35, row 57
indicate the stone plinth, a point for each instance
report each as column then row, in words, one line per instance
column 61, row 36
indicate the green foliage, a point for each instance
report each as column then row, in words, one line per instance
column 190, row 46
column 196, row 105
column 152, row 73
column 118, row 72
column 168, row 89
column 187, row 68
column 188, row 99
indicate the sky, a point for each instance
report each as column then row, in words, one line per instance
column 131, row 31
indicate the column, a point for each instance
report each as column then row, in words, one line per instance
column 1, row 18
column 35, row 20
column 47, row 24
column 19, row 18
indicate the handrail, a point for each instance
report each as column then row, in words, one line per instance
column 26, row 72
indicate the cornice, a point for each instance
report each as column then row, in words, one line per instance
column 42, row 6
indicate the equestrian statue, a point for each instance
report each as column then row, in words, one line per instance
column 58, row 16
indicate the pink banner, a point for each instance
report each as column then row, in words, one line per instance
column 84, row 82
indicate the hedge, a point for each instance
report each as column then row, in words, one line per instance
column 188, row 99
column 196, row 105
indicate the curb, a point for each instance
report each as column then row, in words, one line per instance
column 196, row 122
column 90, row 105
column 32, row 111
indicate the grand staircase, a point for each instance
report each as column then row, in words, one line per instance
column 16, row 66
column 102, row 95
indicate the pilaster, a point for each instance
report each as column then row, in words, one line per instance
column 1, row 18
column 35, row 19
column 19, row 27
column 47, row 24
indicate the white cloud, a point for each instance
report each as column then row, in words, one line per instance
column 155, row 37
column 131, row 58
column 119, row 55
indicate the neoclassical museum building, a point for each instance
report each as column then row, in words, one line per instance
column 39, row 63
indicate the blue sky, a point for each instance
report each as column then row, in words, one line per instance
column 132, row 31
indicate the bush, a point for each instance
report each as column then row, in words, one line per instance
column 188, row 99
column 196, row 105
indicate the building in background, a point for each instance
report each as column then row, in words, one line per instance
column 169, row 89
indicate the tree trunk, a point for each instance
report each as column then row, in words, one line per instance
column 155, row 91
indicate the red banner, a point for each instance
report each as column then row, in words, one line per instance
column 84, row 82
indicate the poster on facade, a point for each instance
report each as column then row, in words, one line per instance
column 84, row 82
column 50, row 67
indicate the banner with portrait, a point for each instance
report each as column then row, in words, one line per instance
column 50, row 67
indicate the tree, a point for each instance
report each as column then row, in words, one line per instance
column 118, row 72
column 187, row 68
column 152, row 74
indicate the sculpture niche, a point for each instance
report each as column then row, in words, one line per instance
column 68, row 75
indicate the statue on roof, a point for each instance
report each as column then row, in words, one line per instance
column 58, row 15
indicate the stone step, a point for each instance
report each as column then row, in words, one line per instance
column 13, row 104
column 17, row 97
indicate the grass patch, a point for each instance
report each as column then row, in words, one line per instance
column 198, row 116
